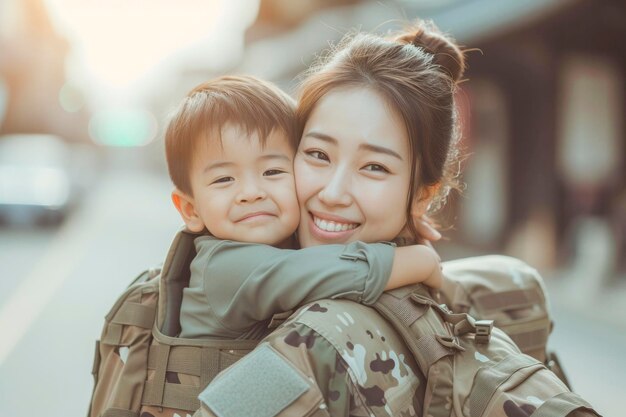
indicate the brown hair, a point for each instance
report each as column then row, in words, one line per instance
column 416, row 72
column 254, row 105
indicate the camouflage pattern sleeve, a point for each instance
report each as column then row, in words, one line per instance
column 351, row 368
column 361, row 367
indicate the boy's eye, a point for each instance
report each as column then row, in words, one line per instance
column 223, row 180
column 271, row 172
column 317, row 155
column 375, row 168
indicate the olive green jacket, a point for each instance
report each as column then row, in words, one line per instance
column 236, row 285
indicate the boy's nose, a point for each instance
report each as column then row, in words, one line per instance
column 250, row 193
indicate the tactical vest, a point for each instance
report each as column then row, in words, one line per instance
column 509, row 292
column 140, row 366
column 472, row 368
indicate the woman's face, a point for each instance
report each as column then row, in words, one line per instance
column 352, row 170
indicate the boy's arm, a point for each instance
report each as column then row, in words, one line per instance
column 414, row 264
column 246, row 283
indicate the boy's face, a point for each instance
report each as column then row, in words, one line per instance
column 244, row 191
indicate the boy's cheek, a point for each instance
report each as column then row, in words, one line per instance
column 295, row 214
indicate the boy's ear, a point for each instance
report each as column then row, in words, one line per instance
column 187, row 209
column 422, row 201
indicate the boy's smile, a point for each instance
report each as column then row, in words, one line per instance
column 257, row 216
column 242, row 190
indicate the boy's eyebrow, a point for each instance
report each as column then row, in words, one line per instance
column 366, row 146
column 275, row 156
column 227, row 164
column 223, row 164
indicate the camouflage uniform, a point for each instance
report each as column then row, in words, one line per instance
column 340, row 358
column 354, row 362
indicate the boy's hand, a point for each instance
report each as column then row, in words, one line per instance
column 415, row 264
column 426, row 231
column 435, row 279
column 425, row 227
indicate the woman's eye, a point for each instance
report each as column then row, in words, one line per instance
column 318, row 155
column 271, row 172
column 375, row 168
column 223, row 180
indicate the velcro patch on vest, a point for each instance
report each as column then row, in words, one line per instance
column 261, row 384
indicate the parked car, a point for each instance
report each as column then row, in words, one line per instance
column 36, row 185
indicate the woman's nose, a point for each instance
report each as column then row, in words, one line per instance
column 336, row 192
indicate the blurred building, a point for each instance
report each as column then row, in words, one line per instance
column 34, row 96
column 543, row 112
column 546, row 171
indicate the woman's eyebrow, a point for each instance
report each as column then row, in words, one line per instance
column 380, row 149
column 365, row 146
column 322, row 136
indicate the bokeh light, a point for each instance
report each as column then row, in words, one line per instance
column 71, row 98
column 123, row 127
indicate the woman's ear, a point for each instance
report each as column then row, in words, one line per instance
column 187, row 209
column 422, row 200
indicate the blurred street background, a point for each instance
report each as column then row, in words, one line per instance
column 85, row 89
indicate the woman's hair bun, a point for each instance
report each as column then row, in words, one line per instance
column 446, row 52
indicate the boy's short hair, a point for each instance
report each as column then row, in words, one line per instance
column 254, row 105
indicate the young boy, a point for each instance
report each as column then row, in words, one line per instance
column 230, row 149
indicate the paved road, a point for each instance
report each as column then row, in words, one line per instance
column 591, row 349
column 57, row 285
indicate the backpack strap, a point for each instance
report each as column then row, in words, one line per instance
column 135, row 314
column 193, row 360
column 204, row 362
column 210, row 365
column 403, row 307
column 129, row 314
column 562, row 405
column 402, row 311
column 174, row 278
column 430, row 331
column 176, row 396
column 154, row 389
column 460, row 323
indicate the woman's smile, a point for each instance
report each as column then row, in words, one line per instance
column 326, row 227
column 331, row 226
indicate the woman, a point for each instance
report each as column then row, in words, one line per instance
column 378, row 150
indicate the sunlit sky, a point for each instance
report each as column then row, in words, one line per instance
column 116, row 44
column 121, row 50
